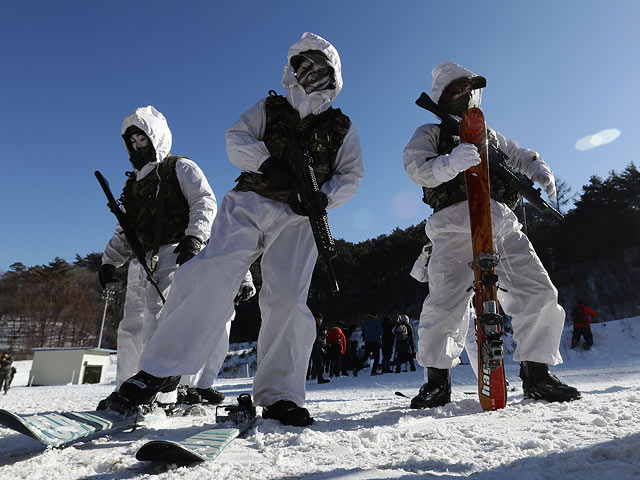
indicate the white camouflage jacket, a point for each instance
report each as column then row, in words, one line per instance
column 247, row 152
column 193, row 183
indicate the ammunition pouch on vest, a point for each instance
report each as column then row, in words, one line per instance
column 319, row 135
column 157, row 221
column 455, row 190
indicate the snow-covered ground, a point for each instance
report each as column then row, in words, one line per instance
column 364, row 431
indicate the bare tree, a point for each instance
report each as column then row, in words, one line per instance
column 563, row 191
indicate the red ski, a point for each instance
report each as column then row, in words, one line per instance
column 491, row 378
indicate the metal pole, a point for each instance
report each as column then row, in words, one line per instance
column 107, row 294
column 104, row 314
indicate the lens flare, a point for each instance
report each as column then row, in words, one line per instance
column 406, row 205
column 363, row 219
column 597, row 139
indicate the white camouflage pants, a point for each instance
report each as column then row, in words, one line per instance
column 201, row 300
column 140, row 320
column 208, row 374
column 531, row 299
column 130, row 327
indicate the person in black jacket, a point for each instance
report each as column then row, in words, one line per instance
column 372, row 336
column 6, row 371
column 319, row 318
column 405, row 347
column 318, row 354
column 387, row 343
column 351, row 361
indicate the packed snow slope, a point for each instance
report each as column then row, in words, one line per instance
column 364, row 431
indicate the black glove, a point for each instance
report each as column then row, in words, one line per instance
column 278, row 174
column 106, row 274
column 298, row 208
column 187, row 249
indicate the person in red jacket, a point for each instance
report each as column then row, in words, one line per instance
column 581, row 316
column 336, row 346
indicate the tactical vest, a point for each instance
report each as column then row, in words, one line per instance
column 319, row 135
column 455, row 191
column 143, row 204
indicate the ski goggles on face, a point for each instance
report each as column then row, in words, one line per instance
column 463, row 86
column 314, row 74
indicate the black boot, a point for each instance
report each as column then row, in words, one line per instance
column 539, row 384
column 117, row 402
column 211, row 395
column 188, row 396
column 288, row 413
column 142, row 388
column 436, row 392
column 107, row 403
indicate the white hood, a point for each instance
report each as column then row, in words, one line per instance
column 155, row 126
column 315, row 102
column 443, row 74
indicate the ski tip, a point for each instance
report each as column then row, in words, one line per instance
column 475, row 112
column 400, row 394
column 472, row 119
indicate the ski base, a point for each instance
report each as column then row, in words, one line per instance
column 60, row 428
column 491, row 377
column 201, row 447
column 208, row 444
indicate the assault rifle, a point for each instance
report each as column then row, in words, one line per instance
column 128, row 231
column 497, row 162
column 301, row 165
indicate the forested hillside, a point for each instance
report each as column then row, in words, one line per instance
column 593, row 254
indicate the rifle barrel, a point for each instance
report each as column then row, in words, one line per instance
column 129, row 234
column 517, row 181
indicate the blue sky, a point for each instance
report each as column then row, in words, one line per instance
column 72, row 70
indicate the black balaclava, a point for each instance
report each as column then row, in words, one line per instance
column 139, row 158
column 456, row 97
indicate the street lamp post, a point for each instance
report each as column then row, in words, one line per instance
column 107, row 294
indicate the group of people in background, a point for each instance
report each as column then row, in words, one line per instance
column 389, row 345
